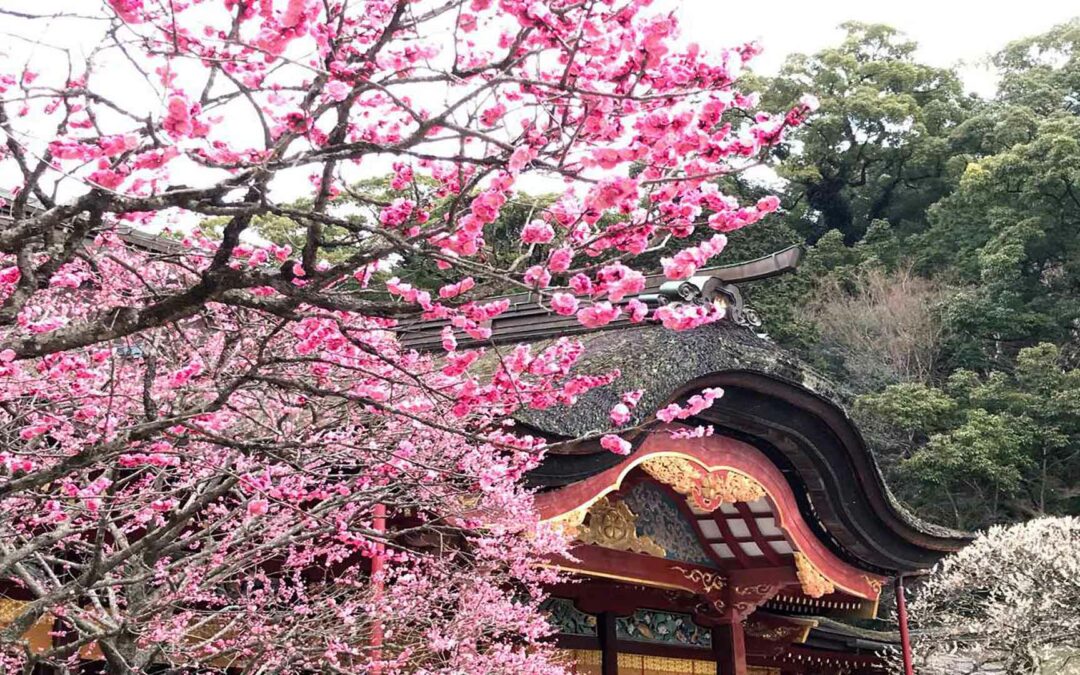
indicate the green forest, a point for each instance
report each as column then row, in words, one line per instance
column 941, row 281
column 942, row 277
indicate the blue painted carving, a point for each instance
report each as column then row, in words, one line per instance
column 647, row 625
column 567, row 619
column 660, row 519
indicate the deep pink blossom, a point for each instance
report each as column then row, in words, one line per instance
column 598, row 315
column 537, row 232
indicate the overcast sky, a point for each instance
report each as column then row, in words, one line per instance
column 948, row 31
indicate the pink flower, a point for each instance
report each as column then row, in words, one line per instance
column 681, row 316
column 128, row 10
column 687, row 261
column 520, row 158
column 619, row 281
column 564, row 304
column 10, row 275
column 114, row 145
column 492, row 115
column 258, row 507
column 620, row 414
column 397, row 213
column 537, row 232
column 597, row 315
column 581, row 284
column 538, row 276
column 768, row 204
column 638, row 310
column 454, row 290
column 336, row 90
column 177, row 122
column 449, row 342
column 613, row 443
column 560, row 259
column 694, row 405
column 615, row 192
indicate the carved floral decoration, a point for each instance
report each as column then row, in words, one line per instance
column 705, row 489
column 613, row 525
column 814, row 583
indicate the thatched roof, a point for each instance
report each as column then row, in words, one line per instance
column 660, row 362
column 772, row 401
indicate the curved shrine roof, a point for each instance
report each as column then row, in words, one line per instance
column 772, row 401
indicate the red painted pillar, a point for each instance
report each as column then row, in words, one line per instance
column 377, row 561
column 905, row 637
column 729, row 647
column 609, row 651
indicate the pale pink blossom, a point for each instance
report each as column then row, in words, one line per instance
column 613, row 443
column 564, row 303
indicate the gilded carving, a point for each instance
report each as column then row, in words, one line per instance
column 721, row 487
column 759, row 589
column 570, row 522
column 710, row 581
column 707, row 489
column 678, row 472
column 613, row 525
column 771, row 633
column 814, row 583
column 874, row 583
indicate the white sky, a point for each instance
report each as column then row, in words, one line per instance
column 948, row 31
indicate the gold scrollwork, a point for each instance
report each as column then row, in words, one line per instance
column 706, row 489
column 814, row 583
column 570, row 522
column 613, row 525
column 771, row 633
column 678, row 472
column 759, row 589
column 711, row 582
column 721, row 487
column 875, row 584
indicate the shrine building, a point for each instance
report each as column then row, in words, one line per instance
column 764, row 548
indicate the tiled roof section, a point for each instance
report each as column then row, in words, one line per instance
column 528, row 321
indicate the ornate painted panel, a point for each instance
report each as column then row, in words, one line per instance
column 568, row 619
column 647, row 625
column 659, row 519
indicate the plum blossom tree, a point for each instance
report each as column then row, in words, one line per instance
column 216, row 453
column 1006, row 603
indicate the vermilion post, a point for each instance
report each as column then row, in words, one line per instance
column 905, row 638
column 379, row 524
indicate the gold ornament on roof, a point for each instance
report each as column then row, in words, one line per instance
column 814, row 583
column 613, row 525
column 706, row 490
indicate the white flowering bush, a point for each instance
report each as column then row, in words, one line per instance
column 1009, row 602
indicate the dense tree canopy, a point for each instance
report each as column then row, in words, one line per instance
column 943, row 264
column 880, row 148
